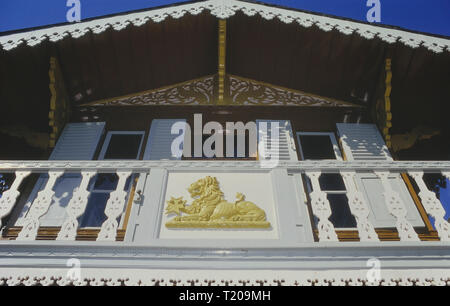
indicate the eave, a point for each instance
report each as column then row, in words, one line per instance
column 224, row 9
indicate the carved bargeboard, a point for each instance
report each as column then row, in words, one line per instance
column 210, row 210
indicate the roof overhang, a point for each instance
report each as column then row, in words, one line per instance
column 224, row 9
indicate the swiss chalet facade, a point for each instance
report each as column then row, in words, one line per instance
column 88, row 111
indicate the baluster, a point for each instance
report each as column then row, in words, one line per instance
column 321, row 209
column 9, row 197
column 359, row 208
column 76, row 208
column 432, row 206
column 114, row 208
column 38, row 208
column 397, row 208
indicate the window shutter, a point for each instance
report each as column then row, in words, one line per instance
column 78, row 141
column 286, row 142
column 159, row 143
column 364, row 142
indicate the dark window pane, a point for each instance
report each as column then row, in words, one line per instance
column 94, row 215
column 341, row 217
column 6, row 179
column 123, row 147
column 331, row 181
column 106, row 181
column 317, row 147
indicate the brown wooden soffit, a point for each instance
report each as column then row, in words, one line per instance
column 238, row 91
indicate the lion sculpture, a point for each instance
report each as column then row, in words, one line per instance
column 209, row 208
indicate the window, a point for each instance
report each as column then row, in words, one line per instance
column 318, row 146
column 323, row 146
column 122, row 145
column 117, row 145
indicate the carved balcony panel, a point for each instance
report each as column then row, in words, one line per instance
column 121, row 198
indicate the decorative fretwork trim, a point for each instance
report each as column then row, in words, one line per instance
column 243, row 91
column 193, row 92
column 143, row 277
column 224, row 9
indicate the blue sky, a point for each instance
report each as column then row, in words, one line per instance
column 431, row 16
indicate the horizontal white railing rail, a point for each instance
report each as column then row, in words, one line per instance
column 325, row 166
column 312, row 169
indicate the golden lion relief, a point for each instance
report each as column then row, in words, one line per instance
column 210, row 210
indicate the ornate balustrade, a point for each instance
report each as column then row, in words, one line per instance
column 320, row 205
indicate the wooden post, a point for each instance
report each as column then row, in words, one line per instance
column 222, row 61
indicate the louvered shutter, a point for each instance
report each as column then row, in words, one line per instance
column 364, row 142
column 78, row 141
column 160, row 139
column 267, row 141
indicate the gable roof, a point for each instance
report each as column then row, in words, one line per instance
column 225, row 9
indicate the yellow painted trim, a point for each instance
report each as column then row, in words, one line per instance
column 222, row 60
column 417, row 202
column 210, row 210
column 59, row 102
column 129, row 205
column 387, row 103
column 51, row 114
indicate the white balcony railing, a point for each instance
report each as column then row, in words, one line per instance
column 312, row 169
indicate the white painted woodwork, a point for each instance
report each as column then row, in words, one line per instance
column 78, row 141
column 38, row 208
column 320, row 205
column 224, row 9
column 257, row 188
column 432, row 206
column 114, row 209
column 159, row 143
column 321, row 209
column 283, row 148
column 363, row 142
column 359, row 208
column 9, row 197
column 76, row 208
column 397, row 208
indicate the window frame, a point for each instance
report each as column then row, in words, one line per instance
column 336, row 149
column 107, row 140
column 338, row 155
column 131, row 187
